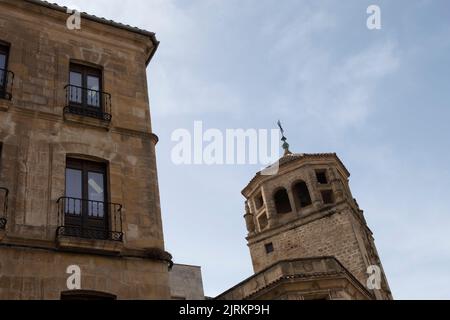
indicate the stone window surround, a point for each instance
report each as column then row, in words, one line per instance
column 269, row 248
column 5, row 104
column 324, row 172
column 89, row 245
column 258, row 218
column 74, row 151
column 258, row 201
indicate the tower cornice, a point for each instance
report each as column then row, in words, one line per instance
column 287, row 159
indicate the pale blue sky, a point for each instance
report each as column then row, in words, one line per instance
column 380, row 99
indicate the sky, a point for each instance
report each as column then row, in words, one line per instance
column 378, row 98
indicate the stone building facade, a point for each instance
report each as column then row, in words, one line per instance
column 307, row 236
column 78, row 173
column 186, row 282
column 79, row 199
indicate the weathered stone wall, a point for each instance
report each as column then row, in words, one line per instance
column 186, row 283
column 33, row 168
column 329, row 236
column 37, row 138
column 320, row 229
column 41, row 274
column 42, row 48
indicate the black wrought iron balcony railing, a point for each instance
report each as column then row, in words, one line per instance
column 87, row 102
column 89, row 219
column 6, row 84
column 3, row 207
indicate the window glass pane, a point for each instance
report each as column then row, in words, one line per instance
column 2, row 61
column 96, row 194
column 76, row 79
column 2, row 67
column 73, row 191
column 76, row 82
column 93, row 94
column 93, row 83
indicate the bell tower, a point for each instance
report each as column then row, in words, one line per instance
column 306, row 210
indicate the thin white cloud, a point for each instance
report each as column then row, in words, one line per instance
column 339, row 93
column 176, row 85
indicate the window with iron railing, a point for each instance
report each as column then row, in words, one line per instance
column 6, row 76
column 84, row 95
column 84, row 211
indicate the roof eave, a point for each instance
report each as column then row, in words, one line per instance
column 111, row 23
column 256, row 179
column 154, row 49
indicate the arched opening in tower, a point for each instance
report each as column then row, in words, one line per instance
column 282, row 203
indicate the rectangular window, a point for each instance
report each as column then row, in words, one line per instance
column 4, row 56
column 86, row 201
column 3, row 197
column 322, row 177
column 328, row 197
column 263, row 222
column 85, row 87
column 269, row 248
column 259, row 202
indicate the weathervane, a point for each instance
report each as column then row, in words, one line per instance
column 284, row 139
